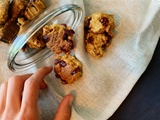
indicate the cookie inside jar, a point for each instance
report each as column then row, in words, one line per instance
column 14, row 14
column 31, row 44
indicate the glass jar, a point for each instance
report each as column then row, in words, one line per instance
column 18, row 60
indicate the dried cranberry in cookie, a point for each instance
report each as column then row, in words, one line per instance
column 99, row 22
column 67, row 68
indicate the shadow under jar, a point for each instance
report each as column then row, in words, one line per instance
column 19, row 60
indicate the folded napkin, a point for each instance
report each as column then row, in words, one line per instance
column 106, row 81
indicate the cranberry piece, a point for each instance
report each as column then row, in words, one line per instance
column 63, row 63
column 64, row 25
column 45, row 38
column 76, row 70
column 57, row 75
column 104, row 21
column 38, row 37
column 57, row 61
column 108, row 36
column 72, row 31
column 71, row 43
column 65, row 36
column 104, row 46
column 87, row 23
column 90, row 40
column 69, row 32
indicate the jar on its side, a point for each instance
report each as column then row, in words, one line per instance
column 18, row 61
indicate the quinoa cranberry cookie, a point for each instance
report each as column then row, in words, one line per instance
column 99, row 22
column 96, row 44
column 98, row 33
column 37, row 41
column 17, row 8
column 4, row 7
column 10, row 28
column 20, row 11
column 8, row 32
column 67, row 68
column 58, row 38
column 34, row 8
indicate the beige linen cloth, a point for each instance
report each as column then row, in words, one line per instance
column 106, row 81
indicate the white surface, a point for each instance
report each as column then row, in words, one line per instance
column 106, row 81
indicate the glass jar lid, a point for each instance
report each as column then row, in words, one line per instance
column 19, row 60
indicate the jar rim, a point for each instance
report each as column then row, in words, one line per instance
column 32, row 27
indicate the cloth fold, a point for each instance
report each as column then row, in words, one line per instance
column 106, row 81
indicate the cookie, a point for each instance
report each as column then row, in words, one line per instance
column 4, row 7
column 36, row 41
column 34, row 8
column 58, row 38
column 98, row 33
column 10, row 28
column 8, row 32
column 67, row 68
column 17, row 8
column 96, row 44
column 99, row 23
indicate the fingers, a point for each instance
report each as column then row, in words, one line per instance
column 43, row 85
column 64, row 109
column 14, row 92
column 31, row 88
column 3, row 96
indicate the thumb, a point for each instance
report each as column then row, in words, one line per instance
column 64, row 109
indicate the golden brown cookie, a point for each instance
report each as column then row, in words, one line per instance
column 98, row 33
column 99, row 22
column 9, row 31
column 4, row 7
column 67, row 68
column 34, row 8
column 17, row 8
column 96, row 44
column 36, row 41
column 58, row 38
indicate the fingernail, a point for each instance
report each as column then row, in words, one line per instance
column 71, row 98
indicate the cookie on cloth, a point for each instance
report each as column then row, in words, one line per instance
column 96, row 44
column 99, row 22
column 67, row 68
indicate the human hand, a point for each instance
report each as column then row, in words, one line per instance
column 19, row 97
